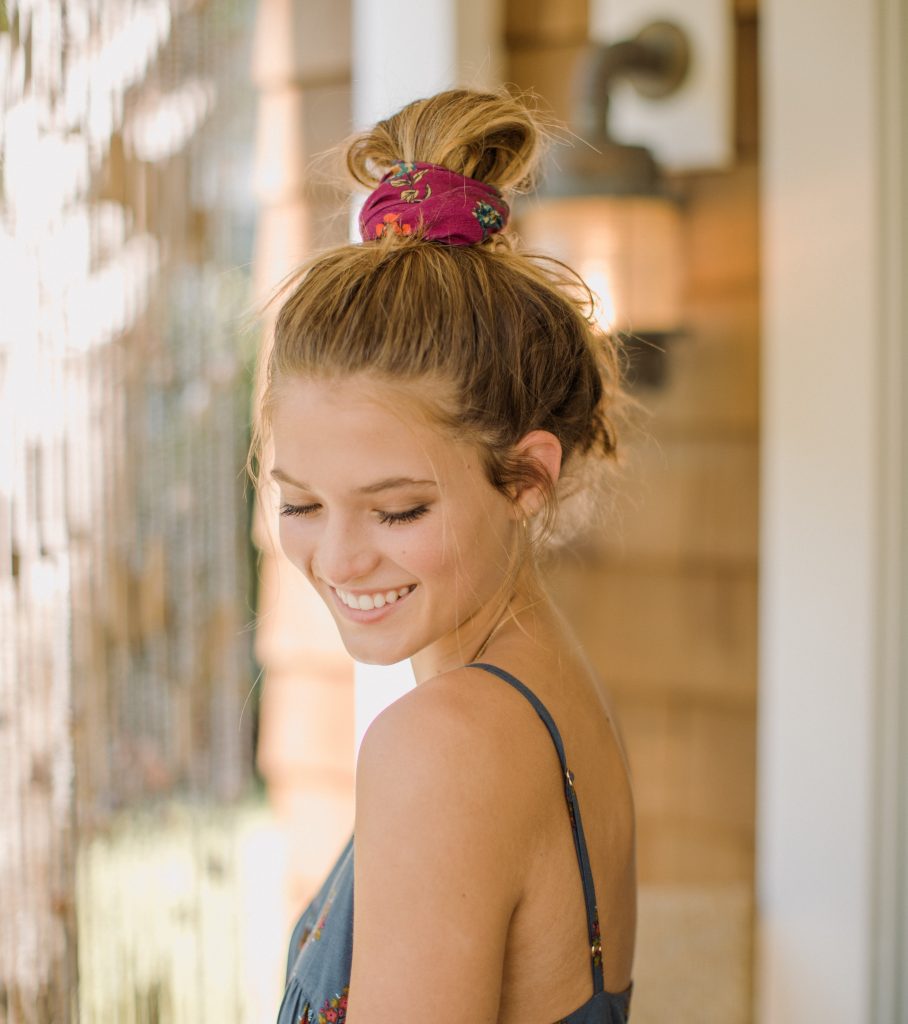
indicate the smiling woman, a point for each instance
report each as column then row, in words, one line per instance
column 387, row 505
column 431, row 398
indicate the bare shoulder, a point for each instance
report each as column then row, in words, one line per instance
column 444, row 745
column 438, row 857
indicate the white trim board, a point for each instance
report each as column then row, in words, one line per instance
column 890, row 924
column 832, row 488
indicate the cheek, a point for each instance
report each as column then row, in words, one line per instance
column 472, row 550
column 284, row 534
column 419, row 551
column 426, row 550
column 295, row 541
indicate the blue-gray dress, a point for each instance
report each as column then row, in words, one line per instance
column 321, row 948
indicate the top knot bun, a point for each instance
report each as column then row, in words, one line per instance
column 494, row 138
column 491, row 342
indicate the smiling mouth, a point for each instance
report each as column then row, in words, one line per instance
column 377, row 599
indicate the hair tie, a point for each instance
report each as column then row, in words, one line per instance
column 449, row 206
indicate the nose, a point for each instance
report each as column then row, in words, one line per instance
column 343, row 552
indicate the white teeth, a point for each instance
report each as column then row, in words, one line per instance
column 366, row 602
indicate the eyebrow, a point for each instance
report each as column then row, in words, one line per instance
column 388, row 484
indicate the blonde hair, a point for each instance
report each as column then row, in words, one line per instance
column 507, row 337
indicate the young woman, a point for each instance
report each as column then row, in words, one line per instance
column 431, row 396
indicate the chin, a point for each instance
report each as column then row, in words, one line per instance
column 369, row 656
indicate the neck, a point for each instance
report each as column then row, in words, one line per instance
column 510, row 614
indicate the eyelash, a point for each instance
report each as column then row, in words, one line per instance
column 410, row 516
column 297, row 509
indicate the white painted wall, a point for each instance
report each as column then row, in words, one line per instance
column 401, row 52
column 693, row 129
column 827, row 488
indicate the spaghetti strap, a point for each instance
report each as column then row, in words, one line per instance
column 586, row 874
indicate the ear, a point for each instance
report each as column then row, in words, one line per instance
column 545, row 448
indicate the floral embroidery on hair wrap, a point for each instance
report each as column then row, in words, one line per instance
column 391, row 222
column 448, row 206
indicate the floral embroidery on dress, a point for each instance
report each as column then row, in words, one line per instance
column 317, row 930
column 333, row 1011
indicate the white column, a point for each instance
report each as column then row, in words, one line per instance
column 400, row 53
column 830, row 483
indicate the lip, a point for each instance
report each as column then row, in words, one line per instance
column 371, row 615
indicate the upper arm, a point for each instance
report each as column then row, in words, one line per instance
column 436, row 865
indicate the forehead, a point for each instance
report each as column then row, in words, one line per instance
column 360, row 428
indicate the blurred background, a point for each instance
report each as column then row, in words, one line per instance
column 178, row 721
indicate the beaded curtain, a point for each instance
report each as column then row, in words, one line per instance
column 125, row 570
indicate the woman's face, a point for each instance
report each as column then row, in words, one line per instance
column 388, row 514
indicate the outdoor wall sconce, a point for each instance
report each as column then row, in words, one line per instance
column 604, row 208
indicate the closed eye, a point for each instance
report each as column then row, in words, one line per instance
column 297, row 510
column 411, row 515
column 390, row 518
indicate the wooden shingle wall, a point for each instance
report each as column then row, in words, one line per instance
column 665, row 599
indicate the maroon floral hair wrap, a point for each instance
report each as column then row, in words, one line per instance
column 449, row 206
